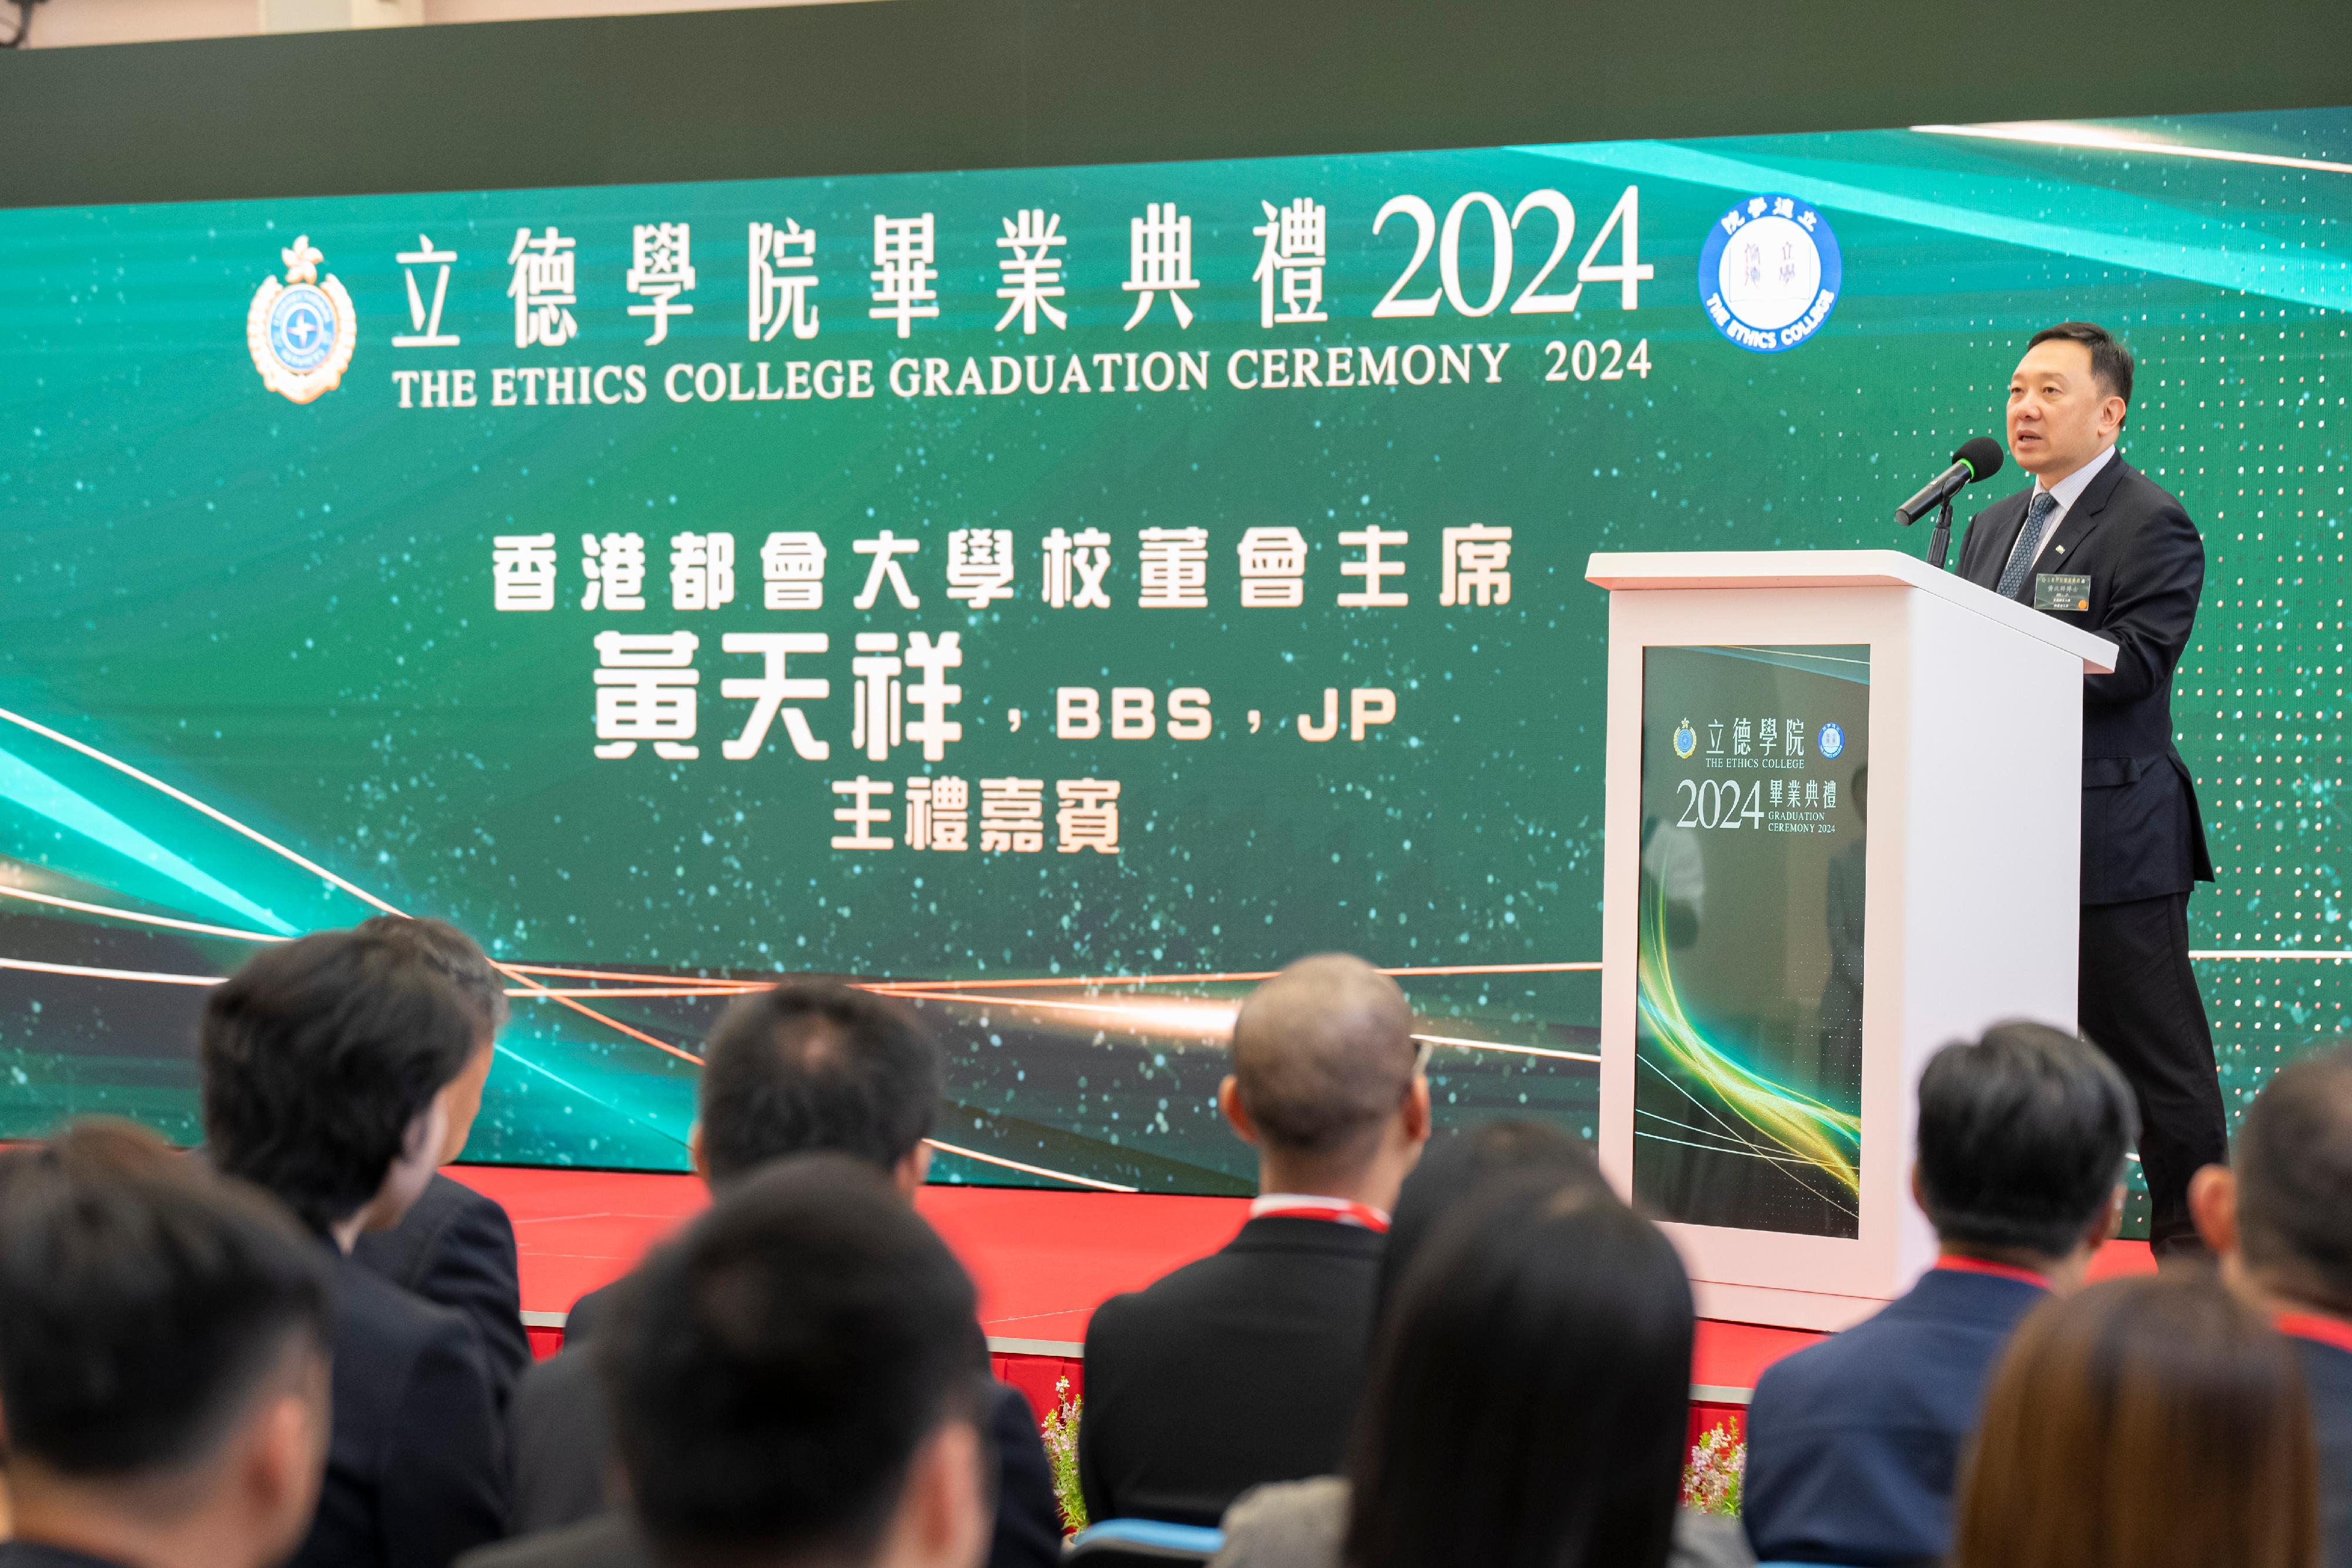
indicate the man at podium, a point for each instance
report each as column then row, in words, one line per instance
column 2099, row 545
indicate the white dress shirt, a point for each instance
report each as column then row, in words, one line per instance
column 2066, row 492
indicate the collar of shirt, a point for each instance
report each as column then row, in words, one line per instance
column 1953, row 1263
column 1308, row 1205
column 2068, row 490
column 2315, row 1327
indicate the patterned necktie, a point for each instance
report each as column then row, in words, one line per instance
column 2029, row 543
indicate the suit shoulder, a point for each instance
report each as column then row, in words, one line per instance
column 605, row 1541
column 2143, row 498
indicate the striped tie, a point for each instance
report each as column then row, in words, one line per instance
column 2029, row 543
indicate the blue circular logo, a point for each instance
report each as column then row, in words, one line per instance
column 302, row 327
column 1769, row 273
column 1685, row 740
column 1829, row 740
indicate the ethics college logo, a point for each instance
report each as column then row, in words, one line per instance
column 1769, row 273
column 1830, row 739
column 301, row 332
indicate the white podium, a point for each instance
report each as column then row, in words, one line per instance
column 1843, row 828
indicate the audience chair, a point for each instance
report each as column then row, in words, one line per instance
column 1142, row 1543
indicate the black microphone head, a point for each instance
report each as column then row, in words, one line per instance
column 1982, row 454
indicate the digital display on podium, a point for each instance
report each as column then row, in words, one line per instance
column 1755, row 793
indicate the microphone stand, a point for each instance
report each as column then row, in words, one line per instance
column 1941, row 540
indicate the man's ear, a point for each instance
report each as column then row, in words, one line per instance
column 426, row 1132
column 1417, row 1114
column 1229, row 1101
column 694, row 1155
column 2213, row 1206
column 282, row 1456
column 2109, row 1222
column 909, row 1174
column 943, row 1515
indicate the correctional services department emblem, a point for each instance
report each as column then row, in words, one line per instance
column 301, row 332
column 1685, row 740
column 1769, row 273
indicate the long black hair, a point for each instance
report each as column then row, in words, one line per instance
column 1530, row 1392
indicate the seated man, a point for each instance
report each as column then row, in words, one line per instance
column 1247, row 1367
column 455, row 1247
column 327, row 1067
column 802, row 1068
column 1854, row 1444
column 2279, row 1216
column 798, row 1379
column 164, row 1338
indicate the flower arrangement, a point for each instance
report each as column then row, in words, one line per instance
column 1060, row 1430
column 1718, row 1464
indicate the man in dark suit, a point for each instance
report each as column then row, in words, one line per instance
column 325, row 1065
column 2099, row 545
column 797, row 1380
column 2280, row 1218
column 802, row 1069
column 163, row 1336
column 1247, row 1367
column 455, row 1247
column 1853, row 1443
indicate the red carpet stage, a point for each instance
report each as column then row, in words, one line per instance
column 1043, row 1261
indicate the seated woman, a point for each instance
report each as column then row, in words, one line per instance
column 1529, row 1391
column 2146, row 1423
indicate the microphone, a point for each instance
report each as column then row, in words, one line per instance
column 1978, row 458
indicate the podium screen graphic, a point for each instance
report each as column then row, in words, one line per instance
column 1057, row 597
column 1748, row 1037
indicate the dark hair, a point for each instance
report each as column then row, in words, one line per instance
column 317, row 1057
column 1530, row 1397
column 2111, row 363
column 2021, row 1138
column 813, row 1065
column 2294, row 1165
column 142, row 1299
column 456, row 957
column 774, row 1369
column 1457, row 1169
column 2155, row 1422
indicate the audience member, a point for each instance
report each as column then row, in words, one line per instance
column 1299, row 1524
column 163, row 1336
column 804, row 1068
column 798, row 1379
column 455, row 1246
column 2280, row 1218
column 1853, row 1443
column 2146, row 1423
column 1247, row 1366
column 328, row 1063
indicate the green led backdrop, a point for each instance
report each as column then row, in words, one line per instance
column 1244, row 617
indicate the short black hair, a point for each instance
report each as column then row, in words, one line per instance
column 457, row 956
column 772, row 1371
column 816, row 1065
column 1455, row 1170
column 2294, row 1165
column 2111, row 363
column 142, row 1299
column 1528, row 1404
column 2022, row 1135
column 317, row 1056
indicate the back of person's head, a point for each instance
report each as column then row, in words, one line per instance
column 2156, row 1422
column 2293, row 1161
column 1323, row 1056
column 1459, row 1168
column 782, row 1374
column 813, row 1066
column 2022, row 1135
column 322, row 1061
column 456, row 957
column 158, row 1324
column 1529, row 1393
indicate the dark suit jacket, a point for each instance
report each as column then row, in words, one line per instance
column 1242, row 1368
column 607, row 1541
column 33, row 1554
column 416, row 1469
column 563, row 1453
column 456, row 1248
column 1853, row 1443
column 2142, row 834
column 2327, row 1379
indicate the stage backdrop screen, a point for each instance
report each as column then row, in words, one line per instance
column 1058, row 595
